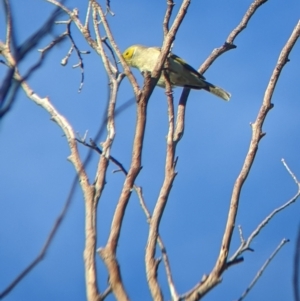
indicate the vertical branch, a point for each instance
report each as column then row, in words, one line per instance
column 167, row 17
column 165, row 258
column 87, row 16
column 108, row 253
column 9, row 26
column 91, row 206
column 150, row 261
column 169, row 38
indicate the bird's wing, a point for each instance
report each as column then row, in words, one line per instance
column 183, row 63
column 186, row 65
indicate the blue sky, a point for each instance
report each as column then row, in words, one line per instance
column 36, row 175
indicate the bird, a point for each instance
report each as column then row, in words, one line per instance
column 180, row 73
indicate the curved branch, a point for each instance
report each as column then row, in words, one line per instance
column 215, row 276
column 228, row 45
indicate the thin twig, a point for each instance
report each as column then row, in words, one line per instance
column 9, row 25
column 291, row 173
column 54, row 42
column 241, row 234
column 245, row 244
column 78, row 52
column 170, row 5
column 75, row 19
column 262, row 269
column 108, row 8
column 87, row 17
column 161, row 245
column 228, row 45
column 65, row 60
column 113, row 44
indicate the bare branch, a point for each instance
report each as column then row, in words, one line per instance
column 256, row 136
column 110, row 55
column 245, row 244
column 161, row 245
column 64, row 61
column 9, row 26
column 291, row 173
column 215, row 276
column 108, row 9
column 74, row 158
column 232, row 36
column 88, row 12
column 54, row 42
column 241, row 234
column 78, row 52
column 168, row 14
column 228, row 45
column 107, row 64
column 262, row 269
column 108, row 252
column 138, row 190
column 75, row 18
column 168, row 40
column 127, row 70
column 151, row 262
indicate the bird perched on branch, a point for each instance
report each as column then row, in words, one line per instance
column 180, row 73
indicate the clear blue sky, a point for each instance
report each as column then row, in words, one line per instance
column 36, row 175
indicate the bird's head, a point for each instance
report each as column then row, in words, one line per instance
column 128, row 54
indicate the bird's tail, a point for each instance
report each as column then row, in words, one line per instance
column 216, row 91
